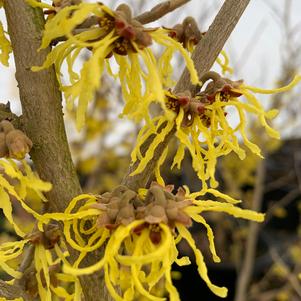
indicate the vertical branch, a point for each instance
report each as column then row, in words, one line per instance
column 41, row 104
column 43, row 120
column 245, row 274
column 214, row 40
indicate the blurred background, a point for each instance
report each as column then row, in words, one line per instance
column 260, row 262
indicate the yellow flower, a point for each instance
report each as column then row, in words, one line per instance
column 26, row 180
column 115, row 35
column 48, row 280
column 188, row 34
column 5, row 47
column 147, row 227
column 48, row 257
column 10, row 251
column 201, row 126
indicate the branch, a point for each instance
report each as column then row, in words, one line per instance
column 43, row 120
column 283, row 202
column 154, row 14
column 246, row 271
column 41, row 104
column 214, row 40
column 160, row 10
column 204, row 57
column 11, row 292
column 293, row 280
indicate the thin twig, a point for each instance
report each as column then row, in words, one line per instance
column 269, row 295
column 152, row 15
column 280, row 182
column 288, row 198
column 249, row 258
column 160, row 10
column 293, row 280
column 43, row 121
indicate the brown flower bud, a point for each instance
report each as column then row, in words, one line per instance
column 156, row 193
column 177, row 32
column 186, row 33
column 155, row 215
column 172, row 213
column 143, row 39
column 127, row 197
column 219, row 84
column 51, row 236
column 130, row 31
column 103, row 220
column 13, row 143
column 18, row 144
column 126, row 215
column 192, row 34
column 48, row 238
column 6, row 126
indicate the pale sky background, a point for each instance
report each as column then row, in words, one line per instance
column 258, row 34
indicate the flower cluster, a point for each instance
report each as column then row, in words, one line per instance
column 202, row 127
column 13, row 143
column 187, row 33
column 25, row 181
column 44, row 277
column 148, row 226
column 112, row 34
column 141, row 232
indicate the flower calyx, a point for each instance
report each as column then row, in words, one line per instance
column 191, row 106
column 218, row 84
column 196, row 105
column 187, row 33
column 13, row 143
column 48, row 238
column 132, row 34
column 161, row 205
column 123, row 206
column 117, row 207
